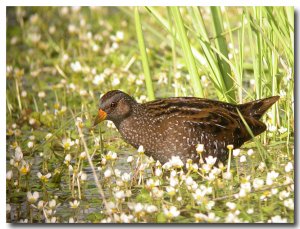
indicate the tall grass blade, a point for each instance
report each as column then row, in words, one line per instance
column 188, row 55
column 221, row 45
column 215, row 74
column 263, row 153
column 144, row 58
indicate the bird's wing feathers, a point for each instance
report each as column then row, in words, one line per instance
column 224, row 124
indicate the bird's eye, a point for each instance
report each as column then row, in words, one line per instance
column 113, row 104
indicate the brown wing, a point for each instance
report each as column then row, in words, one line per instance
column 216, row 128
column 188, row 105
column 225, row 125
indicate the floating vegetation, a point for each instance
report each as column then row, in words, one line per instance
column 60, row 60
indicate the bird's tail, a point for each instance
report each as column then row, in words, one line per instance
column 257, row 108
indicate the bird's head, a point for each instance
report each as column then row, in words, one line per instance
column 115, row 106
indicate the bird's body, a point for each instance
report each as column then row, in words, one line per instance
column 174, row 126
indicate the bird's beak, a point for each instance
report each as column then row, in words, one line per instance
column 100, row 117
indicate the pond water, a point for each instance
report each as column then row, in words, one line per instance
column 91, row 200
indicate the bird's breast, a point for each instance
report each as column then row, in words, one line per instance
column 138, row 131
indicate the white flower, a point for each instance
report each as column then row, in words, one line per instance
column 141, row 149
column 41, row 94
column 120, row 195
column 151, row 183
column 210, row 160
column 126, row 177
column 216, row 171
column 76, row 66
column 236, row 152
column 98, row 79
column 258, row 183
column 130, row 159
column 32, row 197
column 211, row 217
column 23, row 221
column 231, row 205
column 43, row 177
column 243, row 158
column 32, row 121
column 246, row 186
column 158, row 172
column 40, row 204
column 200, row 148
column 120, row 35
column 277, row 219
column 95, row 48
column 119, row 183
column 18, row 154
column 210, row 205
column 288, row 180
column 176, row 162
column 261, row 166
column 227, row 175
column 210, row 177
column 250, row 211
column 173, row 173
column 171, row 190
column 199, row 195
column 282, row 93
column 206, row 168
column 284, row 194
column 171, row 212
column 74, row 204
column 52, row 203
column 138, row 207
column 289, row 203
column 232, row 217
column 179, row 198
column 274, row 191
column 82, row 155
column 9, row 175
column 157, row 193
column 67, row 143
column 194, row 167
column 151, row 208
column 174, row 181
column 126, row 218
column 117, row 173
column 282, row 130
column 49, row 135
column 111, row 155
column 67, row 159
column 51, row 220
column 250, row 152
column 189, row 181
column 107, row 173
column 30, row 144
column 271, row 176
column 83, row 176
column 111, row 207
column 23, row 94
column 289, row 167
column 272, row 128
column 115, row 82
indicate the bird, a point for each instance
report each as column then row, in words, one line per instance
column 174, row 126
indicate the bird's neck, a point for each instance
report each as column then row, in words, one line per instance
column 135, row 127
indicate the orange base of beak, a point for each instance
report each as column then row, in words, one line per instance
column 100, row 117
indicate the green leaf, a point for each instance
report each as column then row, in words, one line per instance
column 144, row 196
column 161, row 218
